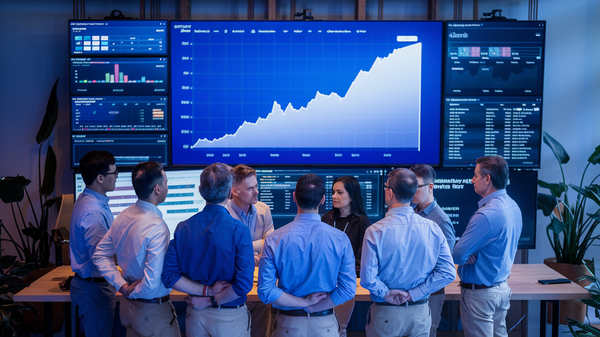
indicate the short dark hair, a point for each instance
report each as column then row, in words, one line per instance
column 94, row 163
column 310, row 190
column 497, row 168
column 352, row 187
column 403, row 183
column 215, row 183
column 145, row 176
column 241, row 172
column 425, row 172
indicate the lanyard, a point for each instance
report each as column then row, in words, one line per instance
column 344, row 226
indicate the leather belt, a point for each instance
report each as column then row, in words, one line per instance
column 158, row 300
column 300, row 312
column 403, row 304
column 93, row 279
column 474, row 286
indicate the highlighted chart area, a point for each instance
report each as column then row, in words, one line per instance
column 389, row 92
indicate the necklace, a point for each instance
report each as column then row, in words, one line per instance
column 344, row 226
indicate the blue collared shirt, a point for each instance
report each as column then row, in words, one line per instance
column 211, row 246
column 435, row 213
column 258, row 219
column 405, row 251
column 90, row 220
column 307, row 256
column 493, row 235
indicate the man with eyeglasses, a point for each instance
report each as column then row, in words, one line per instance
column 427, row 207
column 405, row 258
column 90, row 220
column 256, row 215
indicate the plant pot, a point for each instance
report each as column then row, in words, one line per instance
column 568, row 309
column 33, row 323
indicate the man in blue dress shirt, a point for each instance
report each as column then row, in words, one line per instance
column 405, row 258
column 90, row 220
column 244, row 206
column 486, row 251
column 427, row 207
column 211, row 256
column 139, row 237
column 307, row 267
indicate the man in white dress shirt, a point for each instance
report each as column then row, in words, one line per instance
column 140, row 238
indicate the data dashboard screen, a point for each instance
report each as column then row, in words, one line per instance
column 306, row 92
column 276, row 187
column 183, row 199
column 119, row 76
column 128, row 148
column 494, row 74
column 114, row 37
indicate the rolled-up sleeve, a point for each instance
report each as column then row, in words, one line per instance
column 346, row 282
column 369, row 270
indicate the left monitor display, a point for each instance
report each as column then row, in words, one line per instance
column 183, row 199
column 113, row 37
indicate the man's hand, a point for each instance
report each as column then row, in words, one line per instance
column 315, row 298
column 256, row 259
column 127, row 289
column 197, row 302
column 397, row 297
column 217, row 287
column 472, row 259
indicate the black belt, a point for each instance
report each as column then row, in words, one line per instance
column 300, row 312
column 228, row 306
column 93, row 279
column 158, row 300
column 403, row 304
column 474, row 286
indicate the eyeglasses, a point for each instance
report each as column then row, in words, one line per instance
column 109, row 173
column 387, row 186
column 419, row 186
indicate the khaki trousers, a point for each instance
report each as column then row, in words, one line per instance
column 402, row 320
column 483, row 311
column 304, row 326
column 261, row 318
column 343, row 312
column 149, row 319
column 218, row 322
column 436, row 303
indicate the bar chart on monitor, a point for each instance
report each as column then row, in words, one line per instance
column 267, row 94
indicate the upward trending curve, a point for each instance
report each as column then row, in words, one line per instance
column 381, row 109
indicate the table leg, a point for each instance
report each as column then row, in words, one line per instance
column 543, row 305
column 68, row 320
column 47, row 319
column 555, row 318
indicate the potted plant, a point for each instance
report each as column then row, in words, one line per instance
column 574, row 212
column 582, row 329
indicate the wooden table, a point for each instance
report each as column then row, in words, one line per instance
column 523, row 282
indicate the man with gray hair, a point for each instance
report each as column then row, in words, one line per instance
column 405, row 258
column 211, row 257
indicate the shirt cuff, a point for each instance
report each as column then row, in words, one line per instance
column 416, row 293
column 257, row 245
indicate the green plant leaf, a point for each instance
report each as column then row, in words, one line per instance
column 595, row 157
column 556, row 189
column 32, row 232
column 546, row 203
column 557, row 226
column 50, row 117
column 12, row 188
column 52, row 201
column 49, row 173
column 559, row 151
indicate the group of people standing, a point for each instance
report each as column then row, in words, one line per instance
column 307, row 269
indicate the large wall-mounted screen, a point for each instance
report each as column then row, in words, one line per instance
column 350, row 93
column 114, row 37
column 183, row 199
column 494, row 74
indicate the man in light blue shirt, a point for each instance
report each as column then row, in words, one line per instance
column 256, row 215
column 405, row 258
column 90, row 220
column 307, row 267
column 427, row 207
column 139, row 237
column 486, row 251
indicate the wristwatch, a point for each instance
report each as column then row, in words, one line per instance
column 213, row 302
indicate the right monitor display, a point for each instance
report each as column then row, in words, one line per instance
column 493, row 92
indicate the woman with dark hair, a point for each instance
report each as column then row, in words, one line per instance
column 348, row 215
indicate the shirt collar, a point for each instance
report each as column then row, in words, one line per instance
column 400, row 210
column 215, row 208
column 102, row 198
column 146, row 205
column 491, row 196
column 240, row 211
column 429, row 208
column 308, row 216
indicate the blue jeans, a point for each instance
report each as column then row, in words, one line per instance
column 96, row 302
